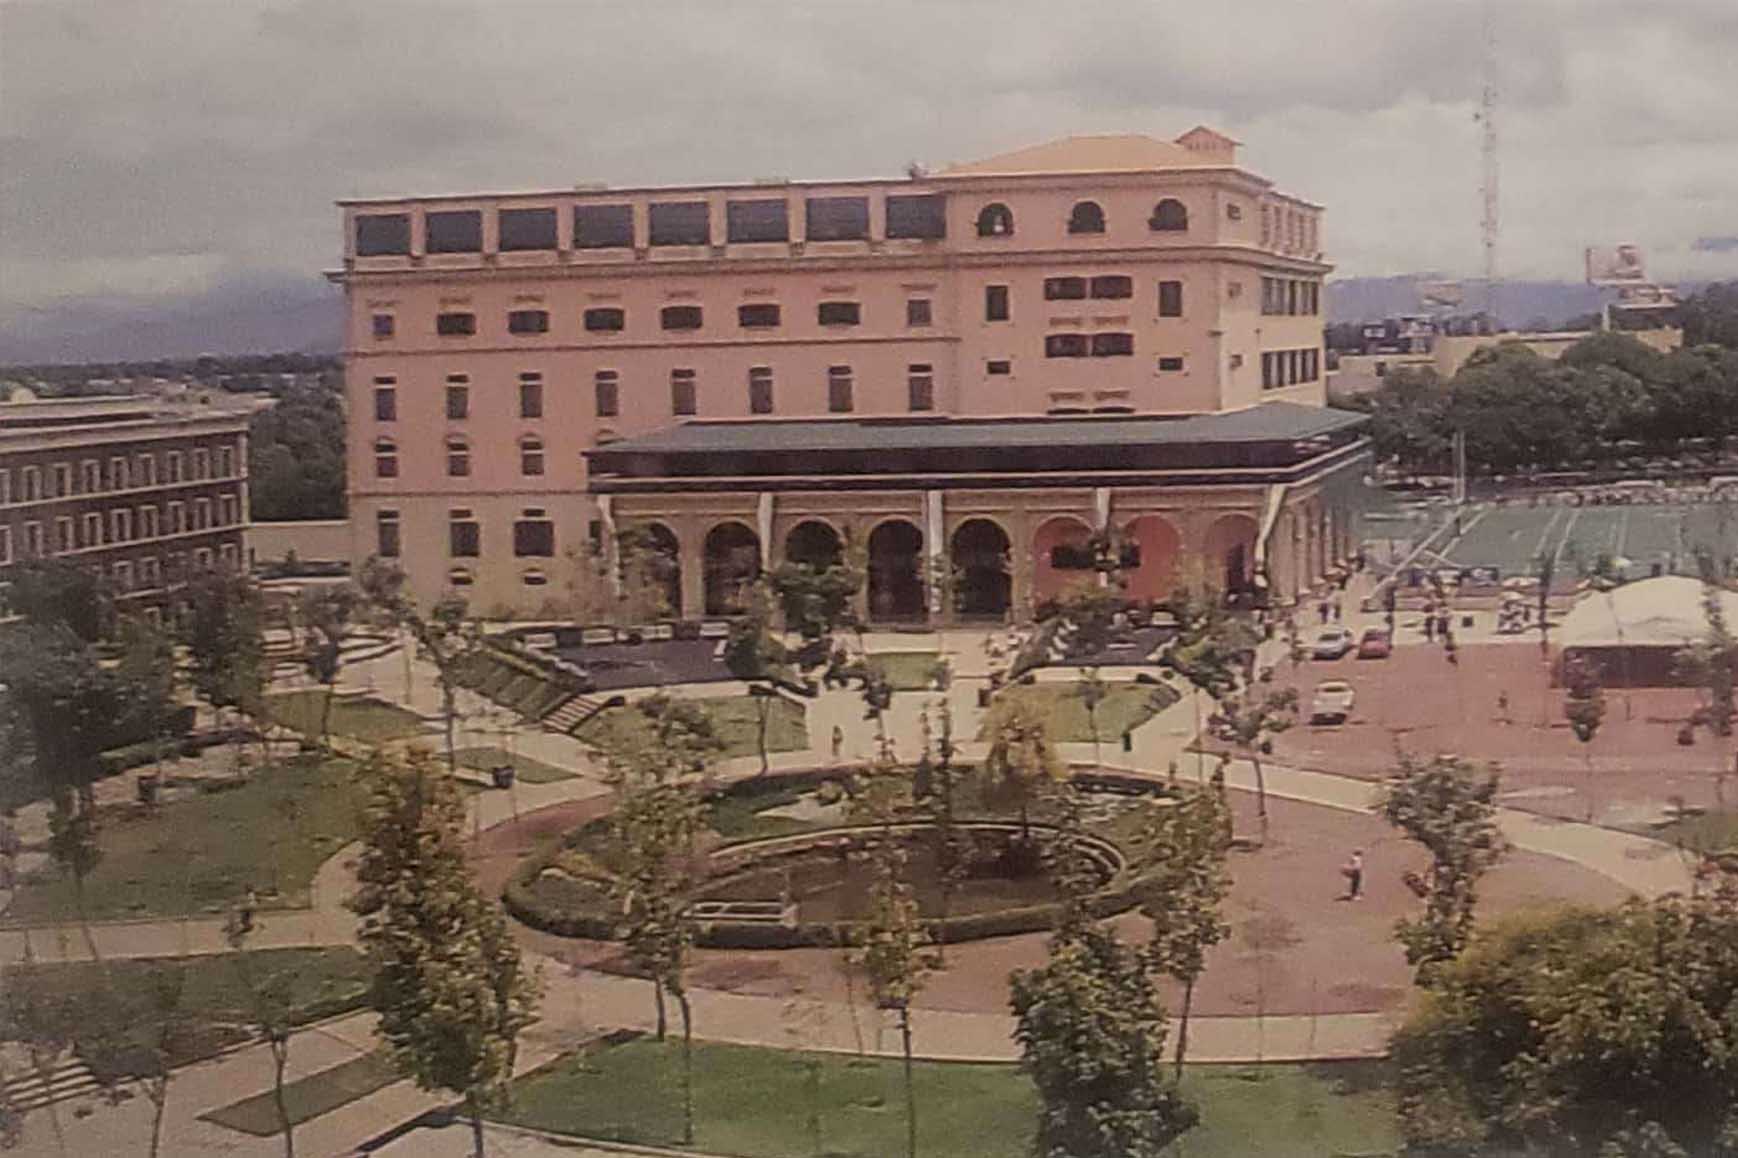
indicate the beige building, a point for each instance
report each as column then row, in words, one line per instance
column 494, row 341
column 143, row 492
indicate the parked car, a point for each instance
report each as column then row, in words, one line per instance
column 1376, row 644
column 1332, row 703
column 1332, row 643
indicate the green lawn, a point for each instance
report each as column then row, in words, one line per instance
column 907, row 671
column 307, row 1098
column 1711, row 832
column 734, row 717
column 1125, row 706
column 118, row 995
column 202, row 853
column 529, row 771
column 760, row 1103
column 369, row 720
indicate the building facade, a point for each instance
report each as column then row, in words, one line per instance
column 494, row 341
column 142, row 492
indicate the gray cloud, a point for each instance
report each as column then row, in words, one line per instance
column 169, row 145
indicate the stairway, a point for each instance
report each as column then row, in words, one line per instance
column 571, row 713
column 68, row 1079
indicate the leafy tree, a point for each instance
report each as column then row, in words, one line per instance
column 446, row 636
column 1710, row 315
column 326, row 614
column 1712, row 664
column 1584, row 708
column 1211, row 650
column 50, row 591
column 1022, row 766
column 225, row 650
column 1189, row 837
column 271, row 1008
column 37, row 1015
column 1092, row 1037
column 754, row 654
column 1447, row 807
column 817, row 602
column 1248, row 721
column 166, row 1035
column 647, row 570
column 148, row 673
column 935, row 783
column 1092, row 692
column 1580, row 1032
column 449, row 986
column 296, row 456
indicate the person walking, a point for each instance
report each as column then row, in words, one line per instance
column 1353, row 871
column 838, row 742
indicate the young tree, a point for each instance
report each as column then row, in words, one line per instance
column 271, row 1009
column 1581, row 1031
column 1545, row 569
column 755, row 654
column 147, row 672
column 225, row 651
column 1021, row 767
column 447, row 636
column 1189, row 836
column 1712, row 664
column 160, row 1039
column 1584, row 708
column 1211, row 650
column 935, row 784
column 1447, row 807
column 817, row 602
column 1092, row 691
column 449, row 985
column 326, row 614
column 50, row 591
column 39, row 1016
column 1248, row 721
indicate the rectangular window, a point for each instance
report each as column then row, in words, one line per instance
column 121, row 523
column 31, row 482
column 201, row 464
column 531, row 396
column 455, row 325
column 920, row 386
column 123, row 576
column 386, row 404
column 1113, row 286
column 760, row 389
column 531, row 456
column 150, row 525
column 998, row 366
column 1170, row 364
column 120, row 476
column 64, row 539
column 603, row 226
column 917, row 312
column 682, row 393
column 839, row 313
column 384, row 325
column 62, row 480
column 177, row 518
column 226, row 462
column 93, row 529
column 606, row 384
column 458, row 458
column 761, row 220
column 1112, row 345
column 680, row 223
column 836, row 218
column 458, row 401
column 1170, row 299
column 201, row 514
column 174, row 466
column 454, row 231
column 839, row 399
column 150, row 572
column 1064, row 289
column 33, row 541
column 1065, row 346
column 921, row 215
column 5, row 545
column 382, row 234
column 528, row 322
column 1293, row 304
column 464, row 535
column 1267, row 374
column 757, row 315
column 386, row 537
column 996, row 303
column 534, row 537
column 681, row 317
column 5, row 487
column 147, row 470
column 522, row 229
column 605, row 320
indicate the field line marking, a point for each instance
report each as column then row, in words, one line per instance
column 1568, row 529
column 1545, row 535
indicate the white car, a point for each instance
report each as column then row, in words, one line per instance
column 1332, row 703
column 1333, row 643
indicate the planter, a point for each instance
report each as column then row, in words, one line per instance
column 503, row 775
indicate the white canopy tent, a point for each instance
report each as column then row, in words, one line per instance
column 1634, row 632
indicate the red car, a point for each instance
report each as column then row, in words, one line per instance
column 1375, row 644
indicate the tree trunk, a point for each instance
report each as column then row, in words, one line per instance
column 1587, row 759
column 476, row 1114
column 281, row 1059
column 1183, row 1024
column 1260, row 795
column 449, row 710
column 326, row 716
column 687, row 1067
column 658, row 996
column 157, row 1089
column 763, row 705
column 910, row 1087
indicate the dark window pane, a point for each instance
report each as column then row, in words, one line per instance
column 760, row 390
column 384, row 325
column 1113, row 287
column 1169, row 216
column 839, row 313
column 839, row 393
column 995, row 220
column 458, row 401
column 995, row 303
column 1065, row 346
column 682, row 395
column 836, row 218
column 1112, row 345
column 756, row 221
column 465, row 539
column 1169, row 364
column 531, row 400
column 455, row 325
column 528, row 322
column 917, row 312
column 534, row 538
column 681, row 317
column 757, row 315
column 999, row 366
column 603, row 226
column 454, row 231
column 1064, row 289
column 385, row 404
column 680, row 223
column 382, row 234
column 386, row 535
column 608, row 397
column 605, row 320
column 1170, row 299
column 526, row 229
column 921, row 215
column 1087, row 217
column 920, row 387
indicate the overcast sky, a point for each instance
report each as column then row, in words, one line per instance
column 164, row 146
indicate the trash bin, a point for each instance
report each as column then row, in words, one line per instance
column 148, row 786
column 1128, row 741
column 983, row 697
column 503, row 775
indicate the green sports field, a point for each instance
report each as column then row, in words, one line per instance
column 1509, row 539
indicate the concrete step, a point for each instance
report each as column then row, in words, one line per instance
column 570, row 712
column 70, row 1079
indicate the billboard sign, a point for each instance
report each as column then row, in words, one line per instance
column 1440, row 294
column 1615, row 265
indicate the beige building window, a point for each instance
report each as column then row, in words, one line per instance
column 918, row 312
column 5, row 544
column 458, row 456
column 531, row 396
column 177, row 518
column 176, row 472
column 458, row 399
column 839, row 313
column 758, row 315
column 385, row 458
column 683, row 400
column 5, row 487
column 30, row 484
column 383, row 326
column 33, row 541
column 681, row 317
column 760, row 390
column 1169, row 216
column 1086, row 217
column 386, row 534
column 920, row 386
column 528, row 321
column 201, row 464
column 534, row 534
column 996, row 303
column 62, row 479
column 605, row 320
column 995, row 220
column 1170, row 299
column 385, row 403
column 839, row 392
column 150, row 525
column 607, row 385
column 120, row 474
column 530, row 455
column 148, row 470
column 464, row 534
column 64, row 540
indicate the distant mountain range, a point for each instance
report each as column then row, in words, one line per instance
column 274, row 313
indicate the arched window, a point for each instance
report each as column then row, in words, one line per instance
column 530, row 455
column 458, row 456
column 385, row 458
column 1169, row 216
column 995, row 220
column 1086, row 217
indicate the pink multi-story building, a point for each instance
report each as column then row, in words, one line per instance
column 1066, row 304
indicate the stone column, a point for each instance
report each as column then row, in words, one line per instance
column 611, row 551
column 935, row 550
column 1020, row 565
column 690, row 552
column 763, row 514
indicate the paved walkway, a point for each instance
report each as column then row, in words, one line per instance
column 578, row 1003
